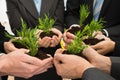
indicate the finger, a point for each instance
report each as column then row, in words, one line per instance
column 40, row 71
column 101, row 51
column 31, row 60
column 57, row 63
column 24, row 50
column 47, row 61
column 70, row 35
column 45, row 42
column 64, row 36
column 56, row 40
column 59, row 58
column 52, row 44
column 59, row 51
column 96, row 47
column 9, row 46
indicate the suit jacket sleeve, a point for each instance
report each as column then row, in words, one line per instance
column 72, row 13
column 114, row 32
column 13, row 15
column 59, row 15
column 3, row 38
column 115, row 68
column 96, row 74
column 117, row 49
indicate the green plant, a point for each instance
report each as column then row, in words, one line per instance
column 46, row 24
column 27, row 38
column 94, row 26
column 84, row 13
column 76, row 46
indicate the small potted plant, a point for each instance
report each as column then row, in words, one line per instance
column 76, row 46
column 91, row 28
column 45, row 26
column 27, row 39
column 84, row 13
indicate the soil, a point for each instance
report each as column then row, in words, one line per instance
column 75, row 29
column 43, row 34
column 18, row 45
column 40, row 54
column 66, row 52
column 92, row 41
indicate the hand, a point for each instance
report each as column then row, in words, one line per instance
column 102, row 47
column 55, row 39
column 99, row 61
column 68, row 37
column 9, row 47
column 72, row 66
column 20, row 64
column 44, row 42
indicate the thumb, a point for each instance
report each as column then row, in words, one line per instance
column 58, row 57
column 58, row 60
column 95, row 47
column 25, row 50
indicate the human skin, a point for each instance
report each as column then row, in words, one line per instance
column 20, row 64
column 70, row 66
column 50, row 41
column 102, row 47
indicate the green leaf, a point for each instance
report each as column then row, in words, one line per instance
column 84, row 13
column 45, row 23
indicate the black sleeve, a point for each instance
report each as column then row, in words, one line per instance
column 3, row 38
column 59, row 15
column 72, row 12
column 115, row 68
column 117, row 49
column 14, row 15
column 96, row 74
column 114, row 32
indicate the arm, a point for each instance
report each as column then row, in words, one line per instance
column 72, row 13
column 113, row 32
column 117, row 49
column 106, row 64
column 19, row 63
column 78, row 68
column 115, row 68
column 96, row 74
column 59, row 15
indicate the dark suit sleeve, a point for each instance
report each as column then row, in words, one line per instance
column 59, row 15
column 3, row 38
column 72, row 13
column 115, row 68
column 96, row 74
column 117, row 49
column 14, row 15
column 114, row 32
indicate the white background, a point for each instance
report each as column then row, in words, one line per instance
column 3, row 16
